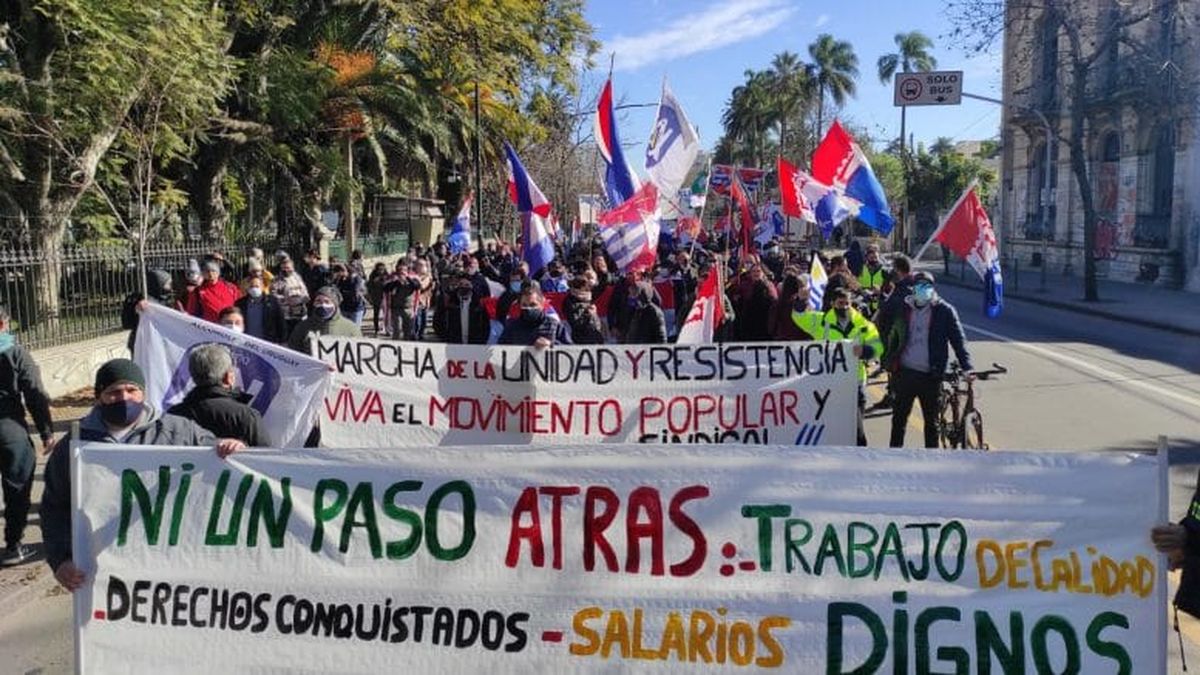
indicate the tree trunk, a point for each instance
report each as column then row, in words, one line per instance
column 1080, row 169
column 820, row 110
column 208, row 191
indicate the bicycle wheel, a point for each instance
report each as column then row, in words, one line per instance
column 973, row 430
column 948, row 432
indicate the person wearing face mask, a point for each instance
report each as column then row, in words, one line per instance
column 232, row 319
column 21, row 390
column 464, row 320
column 215, row 403
column 793, row 297
column 581, row 315
column 213, row 295
column 555, row 280
column 647, row 325
column 512, row 294
column 262, row 313
column 289, row 289
column 121, row 414
column 919, row 342
column 323, row 319
column 533, row 326
column 843, row 322
column 192, row 279
column 403, row 290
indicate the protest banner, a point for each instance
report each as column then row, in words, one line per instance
column 619, row 557
column 286, row 388
column 390, row 393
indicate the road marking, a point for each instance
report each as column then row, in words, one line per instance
column 1098, row 370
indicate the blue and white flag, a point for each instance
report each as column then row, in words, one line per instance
column 287, row 388
column 673, row 145
column 459, row 239
column 818, row 280
column 537, row 246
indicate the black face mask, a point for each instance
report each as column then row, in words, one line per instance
column 532, row 315
column 120, row 413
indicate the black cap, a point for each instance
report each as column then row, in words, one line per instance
column 119, row 371
column 922, row 276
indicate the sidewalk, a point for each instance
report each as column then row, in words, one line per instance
column 1142, row 304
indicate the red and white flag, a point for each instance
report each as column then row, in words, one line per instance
column 967, row 232
column 706, row 314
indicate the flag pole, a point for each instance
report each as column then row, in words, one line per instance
column 945, row 219
column 703, row 204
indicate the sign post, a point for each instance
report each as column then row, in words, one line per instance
column 935, row 87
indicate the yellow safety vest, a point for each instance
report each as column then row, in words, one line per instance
column 871, row 280
column 823, row 326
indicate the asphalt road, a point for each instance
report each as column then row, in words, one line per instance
column 1075, row 383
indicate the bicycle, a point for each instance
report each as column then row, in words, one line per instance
column 960, row 424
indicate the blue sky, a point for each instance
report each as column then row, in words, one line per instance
column 703, row 48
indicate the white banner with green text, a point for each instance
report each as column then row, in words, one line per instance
column 618, row 557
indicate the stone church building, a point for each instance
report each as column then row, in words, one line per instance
column 1141, row 139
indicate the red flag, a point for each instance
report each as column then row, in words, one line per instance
column 793, row 201
column 968, row 232
column 831, row 159
column 738, row 195
column 706, row 314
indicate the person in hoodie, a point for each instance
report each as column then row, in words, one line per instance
column 215, row 403
column 159, row 291
column 647, row 324
column 323, row 319
column 120, row 414
column 21, row 390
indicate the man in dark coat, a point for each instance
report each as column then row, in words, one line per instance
column 533, row 327
column 215, row 404
column 20, row 390
column 121, row 414
column 647, row 324
column 262, row 315
column 464, row 320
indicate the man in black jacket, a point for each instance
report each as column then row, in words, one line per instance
column 120, row 415
column 20, row 390
column 918, row 350
column 533, row 327
column 262, row 315
column 215, row 404
column 464, row 320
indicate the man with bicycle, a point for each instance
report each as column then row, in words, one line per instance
column 917, row 350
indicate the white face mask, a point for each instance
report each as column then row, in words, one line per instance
column 255, row 291
column 237, row 328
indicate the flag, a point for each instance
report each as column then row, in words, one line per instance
column 630, row 231
column 576, row 231
column 840, row 163
column 537, row 247
column 738, row 196
column 286, row 388
column 673, row 145
column 816, row 283
column 805, row 197
column 771, row 224
column 967, row 232
column 699, row 190
column 706, row 314
column 620, row 182
column 751, row 179
column 459, row 239
column 720, row 178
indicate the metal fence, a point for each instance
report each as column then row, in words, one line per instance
column 76, row 292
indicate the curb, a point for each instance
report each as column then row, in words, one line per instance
column 1073, row 307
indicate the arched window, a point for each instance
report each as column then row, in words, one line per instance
column 1035, row 227
column 1154, row 224
column 1112, row 148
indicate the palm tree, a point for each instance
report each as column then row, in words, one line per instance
column 944, row 145
column 834, row 69
column 791, row 88
column 912, row 56
column 749, row 113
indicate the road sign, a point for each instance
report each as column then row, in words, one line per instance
column 938, row 87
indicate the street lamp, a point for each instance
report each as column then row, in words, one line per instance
column 1044, row 207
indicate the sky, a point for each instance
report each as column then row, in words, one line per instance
column 703, row 48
